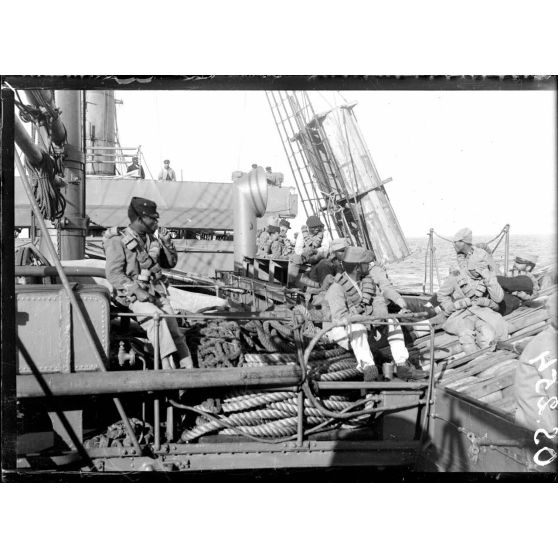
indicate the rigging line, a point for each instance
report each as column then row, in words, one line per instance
column 442, row 237
column 502, row 232
column 145, row 161
column 342, row 97
column 356, row 214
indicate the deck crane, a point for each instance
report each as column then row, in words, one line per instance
column 335, row 174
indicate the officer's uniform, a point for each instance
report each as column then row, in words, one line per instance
column 133, row 268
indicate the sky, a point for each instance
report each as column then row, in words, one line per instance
column 456, row 158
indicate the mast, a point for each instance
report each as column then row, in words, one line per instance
column 73, row 224
column 101, row 133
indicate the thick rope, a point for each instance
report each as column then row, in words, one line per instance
column 240, row 419
column 283, row 427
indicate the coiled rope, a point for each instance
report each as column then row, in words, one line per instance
column 50, row 200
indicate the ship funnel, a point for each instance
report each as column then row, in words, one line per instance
column 249, row 203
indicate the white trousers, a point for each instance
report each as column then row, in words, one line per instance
column 357, row 336
column 397, row 342
column 171, row 339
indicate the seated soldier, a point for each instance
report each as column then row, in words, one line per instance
column 310, row 247
column 344, row 298
column 383, row 282
column 273, row 246
column 327, row 266
column 354, row 292
column 261, row 240
column 395, row 338
column 288, row 246
column 470, row 299
column 522, row 286
column 135, row 257
column 535, row 383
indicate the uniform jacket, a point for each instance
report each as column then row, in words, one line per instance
column 307, row 245
column 380, row 278
column 537, row 362
column 341, row 306
column 123, row 267
column 477, row 258
column 288, row 246
column 491, row 293
column 167, row 174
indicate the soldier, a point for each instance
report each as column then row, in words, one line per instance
column 522, row 286
column 470, row 297
column 261, row 240
column 272, row 246
column 381, row 279
column 346, row 297
column 288, row 246
column 310, row 247
column 469, row 256
column 166, row 172
column 134, row 261
column 135, row 166
column 535, row 384
column 383, row 286
column 332, row 264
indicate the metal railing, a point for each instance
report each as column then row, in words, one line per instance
column 120, row 157
column 431, row 261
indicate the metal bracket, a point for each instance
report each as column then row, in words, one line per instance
column 79, row 223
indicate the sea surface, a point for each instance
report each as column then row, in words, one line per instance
column 411, row 271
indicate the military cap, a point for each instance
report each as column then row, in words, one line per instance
column 284, row 223
column 524, row 257
column 465, row 235
column 166, row 161
column 144, row 207
column 273, row 229
column 313, row 221
column 357, row 254
column 339, row 244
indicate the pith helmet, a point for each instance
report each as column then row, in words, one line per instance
column 357, row 254
column 465, row 235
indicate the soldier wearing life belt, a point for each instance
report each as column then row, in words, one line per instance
column 273, row 245
column 310, row 247
column 135, row 258
column 470, row 298
column 288, row 246
column 355, row 292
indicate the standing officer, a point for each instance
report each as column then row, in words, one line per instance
column 134, row 261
